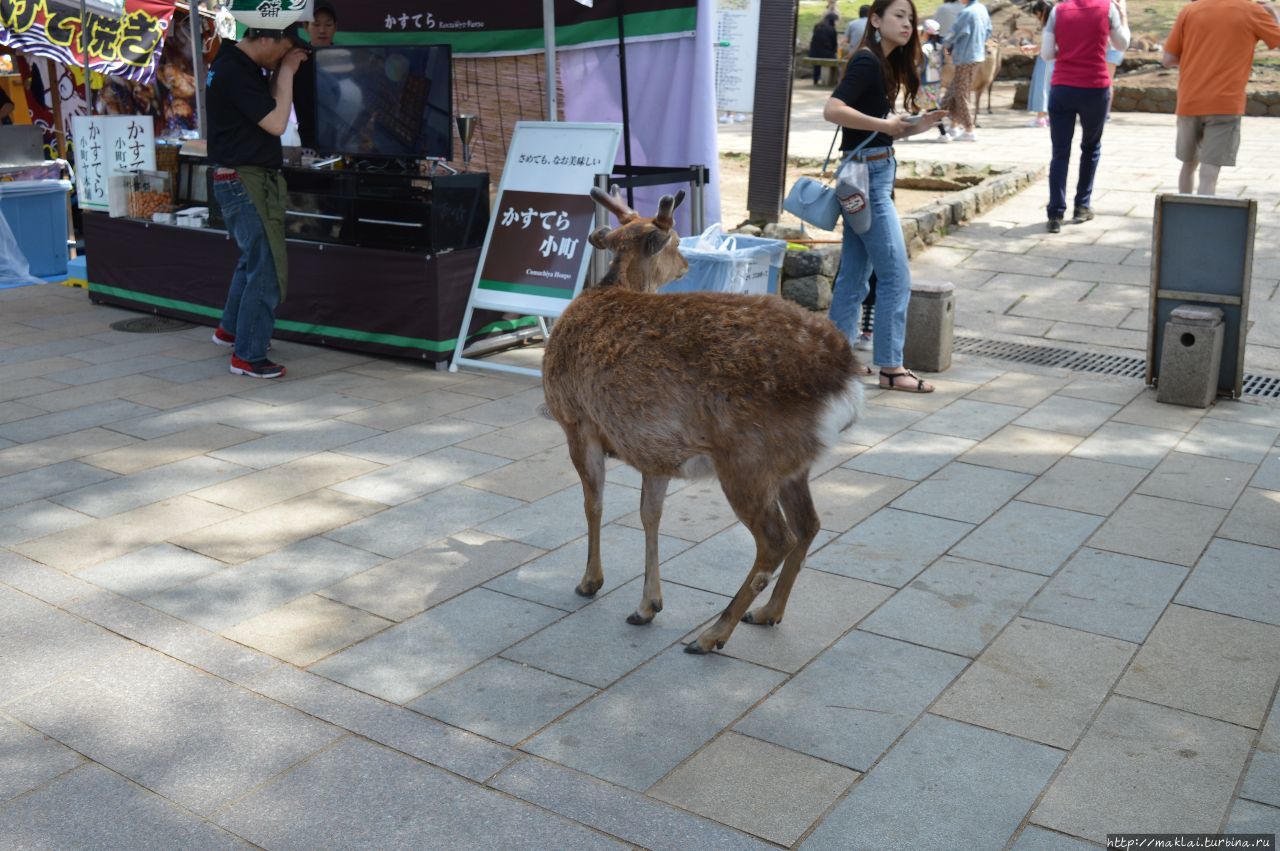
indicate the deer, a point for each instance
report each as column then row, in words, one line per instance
column 747, row 389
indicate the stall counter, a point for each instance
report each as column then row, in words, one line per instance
column 402, row 303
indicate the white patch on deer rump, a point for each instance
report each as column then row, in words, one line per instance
column 839, row 412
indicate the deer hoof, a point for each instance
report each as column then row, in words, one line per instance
column 719, row 645
column 587, row 589
column 637, row 619
column 750, row 618
column 694, row 648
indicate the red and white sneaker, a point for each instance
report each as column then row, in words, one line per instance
column 222, row 338
column 259, row 369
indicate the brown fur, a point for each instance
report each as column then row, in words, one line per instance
column 734, row 384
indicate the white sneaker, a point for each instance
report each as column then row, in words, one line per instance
column 970, row 136
column 863, row 344
column 943, row 137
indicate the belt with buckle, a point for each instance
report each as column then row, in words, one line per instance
column 884, row 155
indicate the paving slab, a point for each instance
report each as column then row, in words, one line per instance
column 845, row 497
column 29, row 759
column 1144, row 410
column 1255, row 518
column 76, row 419
column 398, row 483
column 413, row 657
column 1035, row 838
column 596, row 645
column 822, row 607
column 944, row 785
column 305, row 630
column 190, row 737
column 1232, row 440
column 1147, row 768
column 800, row 788
column 44, row 482
column 1268, row 475
column 1022, row 450
column 149, row 571
column 550, row 579
column 1077, row 484
column 700, row 695
column 403, row 587
column 556, row 520
column 1262, row 782
column 1248, row 817
column 1236, row 579
column 1198, row 478
column 401, row 530
column 1038, row 681
column 227, row 597
column 42, row 644
column 170, row 449
column 414, row 440
column 94, row 808
column 1108, row 594
column 1068, row 416
column 1028, row 537
column 912, row 454
column 128, row 492
column 402, row 729
column 963, row 492
column 852, row 702
column 1023, row 389
column 1159, row 529
column 720, row 564
column 878, row 422
column 1207, row 663
column 326, row 803
column 531, row 478
column 1131, row 445
column 36, row 519
column 955, row 605
column 518, row 441
column 635, row 818
column 890, row 547
column 505, row 701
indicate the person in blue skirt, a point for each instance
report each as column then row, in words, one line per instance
column 1038, row 93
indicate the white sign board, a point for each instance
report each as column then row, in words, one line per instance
column 737, row 41
column 108, row 145
column 540, row 223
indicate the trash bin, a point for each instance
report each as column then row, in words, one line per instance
column 730, row 263
column 36, row 211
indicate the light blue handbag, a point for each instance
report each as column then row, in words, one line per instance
column 812, row 201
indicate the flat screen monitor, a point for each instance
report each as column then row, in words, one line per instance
column 394, row 101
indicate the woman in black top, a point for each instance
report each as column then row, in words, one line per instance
column 883, row 68
column 823, row 43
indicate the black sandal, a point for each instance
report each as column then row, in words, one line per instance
column 907, row 388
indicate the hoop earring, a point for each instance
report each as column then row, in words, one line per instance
column 875, row 34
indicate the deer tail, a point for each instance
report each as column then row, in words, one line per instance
column 839, row 411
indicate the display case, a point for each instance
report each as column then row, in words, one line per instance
column 149, row 195
column 372, row 209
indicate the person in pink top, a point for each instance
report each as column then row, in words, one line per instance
column 1212, row 43
column 1075, row 39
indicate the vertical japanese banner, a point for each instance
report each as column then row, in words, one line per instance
column 109, row 145
column 536, row 250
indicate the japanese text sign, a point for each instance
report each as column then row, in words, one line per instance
column 108, row 145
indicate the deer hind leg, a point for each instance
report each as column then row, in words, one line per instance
column 763, row 516
column 797, row 504
column 588, row 458
column 653, row 491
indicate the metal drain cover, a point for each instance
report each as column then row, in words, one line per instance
column 1077, row 361
column 150, row 325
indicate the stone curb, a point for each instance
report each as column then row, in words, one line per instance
column 928, row 224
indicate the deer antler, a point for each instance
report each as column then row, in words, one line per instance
column 614, row 204
column 666, row 206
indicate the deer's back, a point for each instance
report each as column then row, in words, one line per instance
column 661, row 377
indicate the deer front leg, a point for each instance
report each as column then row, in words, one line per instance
column 588, row 458
column 653, row 491
column 773, row 541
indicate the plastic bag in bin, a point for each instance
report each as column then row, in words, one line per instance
column 729, row 263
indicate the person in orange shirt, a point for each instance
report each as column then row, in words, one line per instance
column 1212, row 44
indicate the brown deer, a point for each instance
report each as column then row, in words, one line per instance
column 750, row 389
column 984, row 77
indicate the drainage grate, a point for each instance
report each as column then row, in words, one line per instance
column 1118, row 365
column 150, row 325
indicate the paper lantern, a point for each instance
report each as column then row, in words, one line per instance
column 270, row 14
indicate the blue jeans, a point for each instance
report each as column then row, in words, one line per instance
column 250, row 313
column 883, row 250
column 1065, row 104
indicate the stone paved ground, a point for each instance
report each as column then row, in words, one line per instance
column 337, row 611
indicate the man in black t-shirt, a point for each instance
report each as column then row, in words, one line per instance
column 248, row 113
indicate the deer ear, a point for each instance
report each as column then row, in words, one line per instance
column 655, row 241
column 599, row 238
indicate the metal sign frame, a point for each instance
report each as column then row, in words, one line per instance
column 527, row 170
column 1202, row 253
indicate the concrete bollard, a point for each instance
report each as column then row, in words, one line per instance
column 931, row 322
column 1191, row 356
